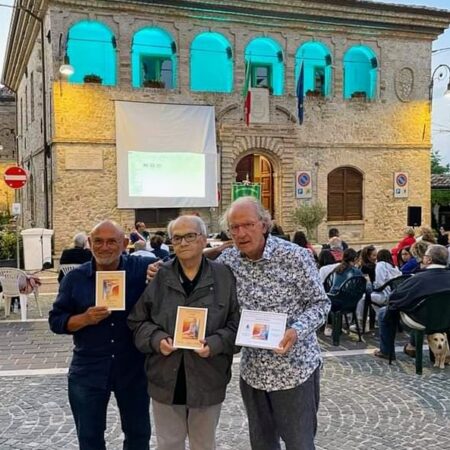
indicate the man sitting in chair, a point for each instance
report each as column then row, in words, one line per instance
column 433, row 280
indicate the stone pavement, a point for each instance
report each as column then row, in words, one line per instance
column 366, row 404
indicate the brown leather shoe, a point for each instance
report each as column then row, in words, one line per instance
column 409, row 351
column 379, row 354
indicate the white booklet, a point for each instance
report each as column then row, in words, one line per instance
column 261, row 329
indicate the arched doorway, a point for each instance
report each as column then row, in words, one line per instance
column 258, row 169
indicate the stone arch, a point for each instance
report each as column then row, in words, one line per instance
column 281, row 158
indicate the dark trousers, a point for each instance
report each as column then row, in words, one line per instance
column 89, row 406
column 290, row 414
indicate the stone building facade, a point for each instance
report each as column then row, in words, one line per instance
column 370, row 139
column 7, row 144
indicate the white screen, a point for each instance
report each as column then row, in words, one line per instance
column 166, row 155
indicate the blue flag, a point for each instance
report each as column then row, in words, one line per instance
column 300, row 95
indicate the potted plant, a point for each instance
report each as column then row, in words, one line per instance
column 92, row 78
column 313, row 93
column 309, row 216
column 359, row 94
column 156, row 84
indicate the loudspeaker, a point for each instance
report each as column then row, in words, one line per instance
column 414, row 216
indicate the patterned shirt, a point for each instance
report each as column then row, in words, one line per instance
column 284, row 280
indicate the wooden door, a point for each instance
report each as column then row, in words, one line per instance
column 266, row 184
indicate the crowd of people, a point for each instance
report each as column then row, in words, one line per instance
column 131, row 352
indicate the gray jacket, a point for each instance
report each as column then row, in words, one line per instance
column 153, row 319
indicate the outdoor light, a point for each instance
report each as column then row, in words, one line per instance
column 444, row 70
column 66, row 70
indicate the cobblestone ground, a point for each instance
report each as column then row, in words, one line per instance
column 366, row 404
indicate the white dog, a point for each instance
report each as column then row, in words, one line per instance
column 438, row 344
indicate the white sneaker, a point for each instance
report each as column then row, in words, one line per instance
column 328, row 331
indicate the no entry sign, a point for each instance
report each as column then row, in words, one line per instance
column 15, row 177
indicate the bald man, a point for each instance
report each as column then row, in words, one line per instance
column 105, row 359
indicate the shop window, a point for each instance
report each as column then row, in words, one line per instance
column 264, row 59
column 345, row 186
column 211, row 63
column 153, row 59
column 360, row 72
column 317, row 70
column 91, row 50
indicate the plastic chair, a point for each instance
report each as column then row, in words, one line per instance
column 344, row 301
column 12, row 280
column 66, row 268
column 430, row 315
column 328, row 283
column 392, row 284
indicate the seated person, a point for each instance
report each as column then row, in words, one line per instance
column 434, row 279
column 336, row 248
column 139, row 233
column 345, row 270
column 327, row 264
column 407, row 263
column 140, row 249
column 332, row 233
column 384, row 271
column 156, row 242
column 79, row 254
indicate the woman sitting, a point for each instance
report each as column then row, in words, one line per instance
column 345, row 270
column 368, row 261
column 384, row 271
column 406, row 261
column 327, row 264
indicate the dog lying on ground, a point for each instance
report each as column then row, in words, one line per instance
column 438, row 344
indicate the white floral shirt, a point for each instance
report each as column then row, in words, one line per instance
column 284, row 280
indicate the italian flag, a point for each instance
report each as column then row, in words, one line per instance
column 247, row 94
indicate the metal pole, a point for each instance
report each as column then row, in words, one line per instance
column 17, row 243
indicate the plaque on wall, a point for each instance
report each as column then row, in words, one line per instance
column 404, row 84
column 84, row 159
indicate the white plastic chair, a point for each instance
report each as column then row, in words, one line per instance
column 66, row 268
column 12, row 280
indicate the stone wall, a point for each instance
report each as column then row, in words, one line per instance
column 379, row 137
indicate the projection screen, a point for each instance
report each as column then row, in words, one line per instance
column 166, row 155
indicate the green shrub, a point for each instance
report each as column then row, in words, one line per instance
column 309, row 216
column 7, row 245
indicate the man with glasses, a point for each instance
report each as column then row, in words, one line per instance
column 187, row 387
column 435, row 278
column 105, row 359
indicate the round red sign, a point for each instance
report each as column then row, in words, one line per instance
column 15, row 177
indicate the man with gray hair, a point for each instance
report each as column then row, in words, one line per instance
column 280, row 388
column 187, row 386
column 79, row 254
column 435, row 278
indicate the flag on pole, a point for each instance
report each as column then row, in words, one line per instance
column 246, row 93
column 300, row 94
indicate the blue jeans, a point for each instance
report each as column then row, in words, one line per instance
column 89, row 406
column 387, row 333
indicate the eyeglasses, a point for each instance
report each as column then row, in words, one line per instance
column 249, row 226
column 188, row 237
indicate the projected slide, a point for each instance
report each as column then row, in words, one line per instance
column 166, row 174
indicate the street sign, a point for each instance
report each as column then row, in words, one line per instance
column 16, row 209
column 15, row 177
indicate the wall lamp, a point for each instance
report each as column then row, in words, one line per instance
column 439, row 73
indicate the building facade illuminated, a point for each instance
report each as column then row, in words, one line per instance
column 366, row 112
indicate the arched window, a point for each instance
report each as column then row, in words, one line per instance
column 264, row 59
column 345, row 186
column 153, row 59
column 211, row 63
column 317, row 71
column 91, row 49
column 360, row 72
